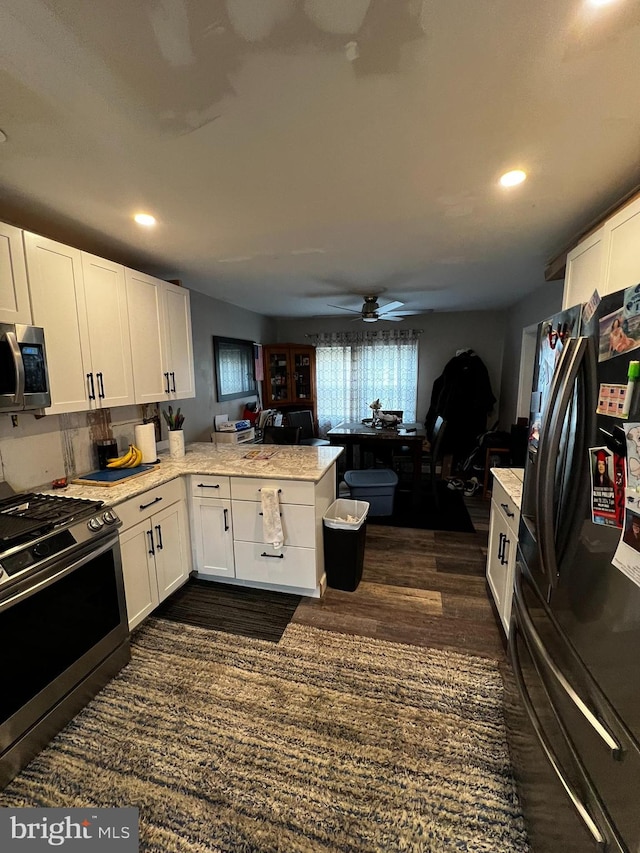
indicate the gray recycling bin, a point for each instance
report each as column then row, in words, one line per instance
column 344, row 528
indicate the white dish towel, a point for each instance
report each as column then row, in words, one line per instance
column 271, row 523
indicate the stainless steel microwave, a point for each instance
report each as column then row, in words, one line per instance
column 24, row 378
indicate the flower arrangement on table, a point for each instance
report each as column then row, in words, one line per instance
column 174, row 422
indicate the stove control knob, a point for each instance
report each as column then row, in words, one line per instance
column 109, row 517
column 95, row 524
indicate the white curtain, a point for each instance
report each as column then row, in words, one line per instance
column 355, row 368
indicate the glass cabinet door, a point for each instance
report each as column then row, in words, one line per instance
column 279, row 377
column 302, row 376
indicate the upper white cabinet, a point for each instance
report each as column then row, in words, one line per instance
column 607, row 260
column 57, row 301
column 177, row 303
column 80, row 301
column 623, row 253
column 14, row 293
column 585, row 269
column 161, row 344
column 108, row 321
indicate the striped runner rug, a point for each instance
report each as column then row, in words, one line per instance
column 320, row 742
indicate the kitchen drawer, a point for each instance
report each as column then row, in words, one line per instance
column 505, row 504
column 143, row 506
column 291, row 491
column 298, row 523
column 288, row 567
column 210, row 486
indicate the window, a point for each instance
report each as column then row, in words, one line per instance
column 355, row 368
column 234, row 368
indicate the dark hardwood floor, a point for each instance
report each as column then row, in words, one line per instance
column 422, row 587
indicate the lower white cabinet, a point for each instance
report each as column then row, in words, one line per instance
column 501, row 555
column 154, row 541
column 212, row 526
column 227, row 531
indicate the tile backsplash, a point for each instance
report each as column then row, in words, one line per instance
column 36, row 450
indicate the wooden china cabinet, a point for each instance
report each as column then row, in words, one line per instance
column 290, row 377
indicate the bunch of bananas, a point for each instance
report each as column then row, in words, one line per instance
column 131, row 459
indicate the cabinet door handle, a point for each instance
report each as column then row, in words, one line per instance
column 92, row 387
column 279, row 491
column 207, row 486
column 151, row 503
column 226, row 519
column 273, row 556
column 151, row 548
column 166, row 379
column 505, row 507
column 501, row 546
column 504, row 559
column 173, row 381
column 100, row 385
column 159, row 537
column 261, row 513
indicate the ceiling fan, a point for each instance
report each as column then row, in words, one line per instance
column 371, row 311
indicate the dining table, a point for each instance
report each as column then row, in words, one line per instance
column 352, row 434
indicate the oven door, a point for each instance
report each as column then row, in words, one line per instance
column 24, row 378
column 59, row 628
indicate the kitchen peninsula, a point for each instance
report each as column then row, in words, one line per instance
column 221, row 536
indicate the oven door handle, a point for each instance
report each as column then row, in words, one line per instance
column 67, row 570
column 18, row 363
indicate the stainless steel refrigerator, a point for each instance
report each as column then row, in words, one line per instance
column 572, row 692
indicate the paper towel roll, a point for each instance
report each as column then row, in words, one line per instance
column 145, row 441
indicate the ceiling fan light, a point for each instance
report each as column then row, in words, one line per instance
column 369, row 318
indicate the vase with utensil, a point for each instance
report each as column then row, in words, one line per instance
column 176, row 434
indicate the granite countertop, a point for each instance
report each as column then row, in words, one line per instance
column 298, row 462
column 511, row 481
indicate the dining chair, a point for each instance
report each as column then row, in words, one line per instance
column 304, row 420
column 281, row 435
column 435, row 455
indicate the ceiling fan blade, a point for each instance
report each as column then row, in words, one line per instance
column 391, row 306
column 400, row 314
column 342, row 308
column 394, row 317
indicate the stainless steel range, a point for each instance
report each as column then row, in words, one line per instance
column 63, row 620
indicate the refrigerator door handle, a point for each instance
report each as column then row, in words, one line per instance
column 529, row 629
column 580, row 807
column 574, row 356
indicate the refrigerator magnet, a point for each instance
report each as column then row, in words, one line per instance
column 603, row 492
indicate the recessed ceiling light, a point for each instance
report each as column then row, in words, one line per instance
column 3, row 136
column 513, row 178
column 145, row 219
column 600, row 2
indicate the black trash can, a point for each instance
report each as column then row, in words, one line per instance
column 344, row 528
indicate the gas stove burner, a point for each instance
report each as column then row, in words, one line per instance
column 27, row 516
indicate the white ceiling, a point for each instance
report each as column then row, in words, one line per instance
column 286, row 175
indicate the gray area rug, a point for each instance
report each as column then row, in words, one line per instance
column 321, row 742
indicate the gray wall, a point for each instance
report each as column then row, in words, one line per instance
column 533, row 308
column 211, row 317
column 442, row 334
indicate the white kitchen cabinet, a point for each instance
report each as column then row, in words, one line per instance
column 80, row 301
column 607, row 260
column 15, row 306
column 212, row 526
column 623, row 257
column 299, row 564
column 154, row 541
column 179, row 344
column 585, row 269
column 503, row 540
column 57, row 304
column 111, row 366
column 161, row 340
